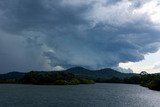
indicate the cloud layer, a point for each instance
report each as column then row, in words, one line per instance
column 50, row 34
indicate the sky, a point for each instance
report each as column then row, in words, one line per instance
column 95, row 34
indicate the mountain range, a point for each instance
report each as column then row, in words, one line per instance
column 78, row 71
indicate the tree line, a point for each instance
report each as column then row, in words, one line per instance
column 50, row 78
column 152, row 81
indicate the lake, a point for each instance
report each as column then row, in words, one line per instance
column 94, row 95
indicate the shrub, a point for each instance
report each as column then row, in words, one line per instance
column 61, row 82
column 74, row 81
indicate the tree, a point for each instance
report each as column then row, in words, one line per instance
column 143, row 73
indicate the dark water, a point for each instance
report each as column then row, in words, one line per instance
column 96, row 95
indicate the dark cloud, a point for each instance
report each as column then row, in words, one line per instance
column 41, row 34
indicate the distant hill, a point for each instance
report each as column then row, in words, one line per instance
column 79, row 71
column 102, row 73
column 12, row 75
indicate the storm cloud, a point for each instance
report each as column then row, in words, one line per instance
column 50, row 34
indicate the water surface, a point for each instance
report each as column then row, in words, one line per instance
column 94, row 95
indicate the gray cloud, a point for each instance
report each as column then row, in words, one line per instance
column 42, row 34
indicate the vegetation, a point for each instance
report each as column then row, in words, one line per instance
column 60, row 78
column 79, row 75
column 86, row 81
column 152, row 81
column 154, row 84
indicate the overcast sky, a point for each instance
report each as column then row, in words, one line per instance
column 58, row 34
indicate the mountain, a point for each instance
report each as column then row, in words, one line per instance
column 102, row 73
column 12, row 75
column 78, row 71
